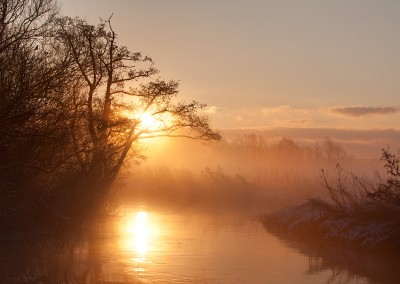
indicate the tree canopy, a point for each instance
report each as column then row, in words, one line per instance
column 74, row 103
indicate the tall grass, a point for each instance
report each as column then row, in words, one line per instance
column 215, row 188
column 243, row 173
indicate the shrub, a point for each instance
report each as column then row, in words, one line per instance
column 350, row 193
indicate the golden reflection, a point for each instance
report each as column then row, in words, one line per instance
column 139, row 232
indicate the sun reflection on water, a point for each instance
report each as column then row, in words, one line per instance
column 140, row 235
column 140, row 232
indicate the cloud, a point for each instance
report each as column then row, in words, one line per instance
column 284, row 109
column 363, row 111
column 274, row 110
column 212, row 109
column 285, row 115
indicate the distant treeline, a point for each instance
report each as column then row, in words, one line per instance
column 286, row 149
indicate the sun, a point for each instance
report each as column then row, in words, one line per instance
column 147, row 121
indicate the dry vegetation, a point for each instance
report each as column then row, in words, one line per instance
column 246, row 173
column 353, row 194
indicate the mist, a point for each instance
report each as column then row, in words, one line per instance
column 113, row 172
column 245, row 173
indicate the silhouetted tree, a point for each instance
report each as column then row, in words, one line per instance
column 250, row 141
column 110, row 110
column 30, row 92
column 329, row 150
column 286, row 148
column 24, row 20
column 34, row 137
column 71, row 110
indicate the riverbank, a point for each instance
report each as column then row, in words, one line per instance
column 319, row 221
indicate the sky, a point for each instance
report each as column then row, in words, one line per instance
column 258, row 65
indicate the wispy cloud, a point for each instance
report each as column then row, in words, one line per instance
column 212, row 109
column 284, row 109
column 285, row 115
column 363, row 111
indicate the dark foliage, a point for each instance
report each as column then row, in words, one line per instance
column 388, row 189
column 72, row 108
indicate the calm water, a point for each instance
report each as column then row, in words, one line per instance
column 153, row 246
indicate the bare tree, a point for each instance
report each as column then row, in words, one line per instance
column 116, row 111
column 23, row 20
column 30, row 89
column 71, row 108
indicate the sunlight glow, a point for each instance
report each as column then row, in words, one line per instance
column 138, row 232
column 149, row 122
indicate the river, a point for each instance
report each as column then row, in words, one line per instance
column 150, row 245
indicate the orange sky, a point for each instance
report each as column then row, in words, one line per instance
column 266, row 64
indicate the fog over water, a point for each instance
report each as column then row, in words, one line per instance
column 182, row 217
column 150, row 244
column 199, row 141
